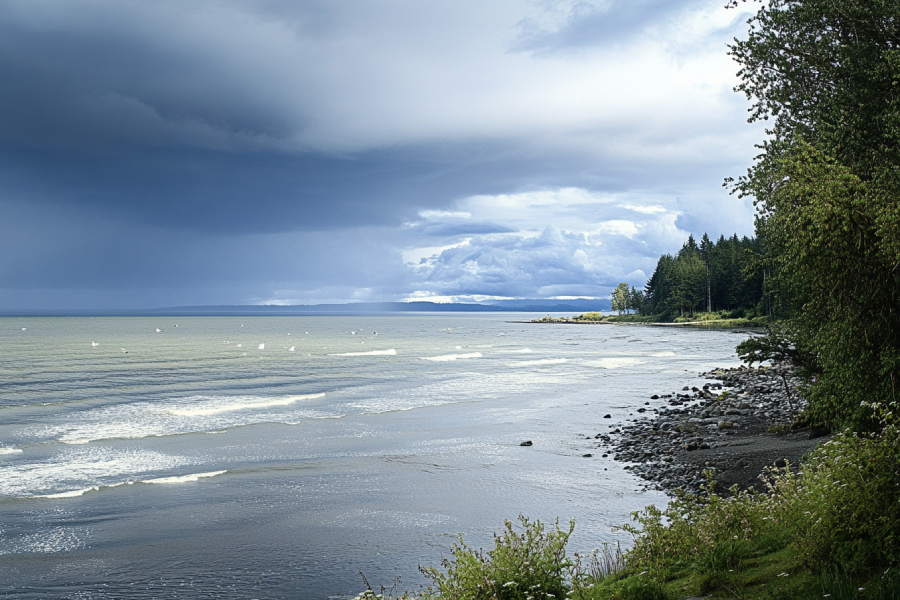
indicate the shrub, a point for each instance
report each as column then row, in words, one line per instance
column 841, row 510
column 522, row 566
column 590, row 316
column 707, row 535
column 844, row 506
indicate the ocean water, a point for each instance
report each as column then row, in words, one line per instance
column 279, row 457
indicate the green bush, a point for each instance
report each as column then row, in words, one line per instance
column 531, row 565
column 590, row 316
column 841, row 510
column 844, row 506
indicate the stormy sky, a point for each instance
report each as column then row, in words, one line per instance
column 281, row 151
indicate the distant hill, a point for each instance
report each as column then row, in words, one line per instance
column 527, row 305
column 524, row 305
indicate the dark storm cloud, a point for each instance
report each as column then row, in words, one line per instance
column 233, row 151
column 115, row 106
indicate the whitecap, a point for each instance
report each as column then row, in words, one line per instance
column 614, row 363
column 10, row 450
column 217, row 406
column 183, row 478
column 535, row 363
column 70, row 494
column 520, row 351
column 448, row 357
column 390, row 352
column 72, row 472
column 661, row 354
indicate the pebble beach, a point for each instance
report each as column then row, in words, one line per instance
column 731, row 422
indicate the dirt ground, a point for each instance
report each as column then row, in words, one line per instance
column 749, row 451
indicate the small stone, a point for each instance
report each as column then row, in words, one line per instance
column 607, row 416
column 586, row 455
column 527, row 443
column 654, row 397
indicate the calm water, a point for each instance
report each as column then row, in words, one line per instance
column 276, row 457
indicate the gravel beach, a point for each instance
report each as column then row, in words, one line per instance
column 733, row 423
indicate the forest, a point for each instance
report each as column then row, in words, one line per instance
column 727, row 276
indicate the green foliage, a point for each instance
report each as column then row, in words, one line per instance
column 635, row 589
column 722, row 557
column 725, row 276
column 589, row 316
column 840, row 514
column 621, row 298
column 632, row 318
column 838, row 585
column 827, row 186
column 530, row 564
column 844, row 508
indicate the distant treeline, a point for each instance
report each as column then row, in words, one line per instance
column 725, row 276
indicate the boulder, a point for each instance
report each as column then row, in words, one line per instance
column 527, row 443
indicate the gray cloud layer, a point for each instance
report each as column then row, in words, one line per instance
column 229, row 151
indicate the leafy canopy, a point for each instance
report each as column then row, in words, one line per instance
column 826, row 74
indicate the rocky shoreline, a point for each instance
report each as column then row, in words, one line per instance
column 734, row 425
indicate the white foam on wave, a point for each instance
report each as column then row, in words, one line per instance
column 72, row 472
column 449, row 357
column 216, row 407
column 661, row 354
column 519, row 351
column 536, row 363
column 10, row 450
column 184, row 478
column 390, row 352
column 173, row 416
column 614, row 363
column 72, row 494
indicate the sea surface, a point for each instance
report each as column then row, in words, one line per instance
column 279, row 457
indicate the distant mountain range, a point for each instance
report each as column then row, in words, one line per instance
column 524, row 305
